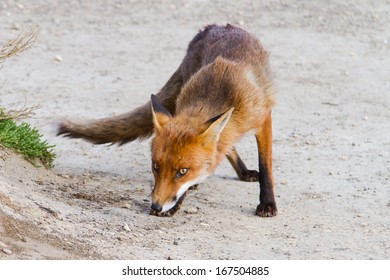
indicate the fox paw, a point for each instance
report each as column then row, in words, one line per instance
column 249, row 176
column 266, row 210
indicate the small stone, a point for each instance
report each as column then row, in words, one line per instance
column 7, row 251
column 192, row 210
column 58, row 58
column 365, row 118
column 344, row 157
column 284, row 182
column 126, row 205
column 126, row 227
column 175, row 242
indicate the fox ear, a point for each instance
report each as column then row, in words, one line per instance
column 218, row 123
column 160, row 114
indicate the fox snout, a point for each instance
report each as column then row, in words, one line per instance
column 156, row 207
column 167, row 208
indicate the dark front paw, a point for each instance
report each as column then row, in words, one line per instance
column 266, row 210
column 249, row 176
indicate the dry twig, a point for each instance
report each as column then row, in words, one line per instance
column 24, row 41
column 17, row 114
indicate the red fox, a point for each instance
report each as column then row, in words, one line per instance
column 221, row 91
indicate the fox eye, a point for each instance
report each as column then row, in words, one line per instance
column 156, row 166
column 182, row 172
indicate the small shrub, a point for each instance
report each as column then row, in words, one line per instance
column 25, row 140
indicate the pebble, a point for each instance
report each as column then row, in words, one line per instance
column 126, row 227
column 7, row 251
column 58, row 58
column 126, row 205
column 192, row 210
column 344, row 157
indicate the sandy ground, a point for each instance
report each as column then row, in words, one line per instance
column 98, row 58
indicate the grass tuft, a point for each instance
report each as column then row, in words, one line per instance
column 25, row 140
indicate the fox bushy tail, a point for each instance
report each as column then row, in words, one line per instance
column 137, row 124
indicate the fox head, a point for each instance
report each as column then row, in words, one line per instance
column 182, row 155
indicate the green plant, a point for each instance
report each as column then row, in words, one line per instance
column 25, row 140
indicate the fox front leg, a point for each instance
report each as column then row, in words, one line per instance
column 239, row 166
column 267, row 206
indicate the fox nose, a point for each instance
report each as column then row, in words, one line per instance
column 156, row 207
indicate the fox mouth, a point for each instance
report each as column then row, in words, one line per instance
column 172, row 211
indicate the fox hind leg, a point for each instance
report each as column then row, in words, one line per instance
column 267, row 206
column 239, row 166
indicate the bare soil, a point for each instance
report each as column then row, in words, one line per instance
column 98, row 58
